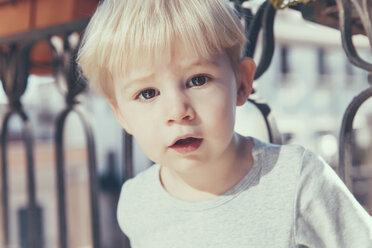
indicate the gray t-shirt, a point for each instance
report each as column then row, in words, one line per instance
column 290, row 198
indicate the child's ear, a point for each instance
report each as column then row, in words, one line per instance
column 118, row 115
column 247, row 69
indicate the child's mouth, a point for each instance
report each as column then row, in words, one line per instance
column 187, row 145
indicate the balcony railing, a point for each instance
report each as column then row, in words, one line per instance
column 63, row 42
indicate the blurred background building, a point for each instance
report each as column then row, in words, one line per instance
column 308, row 86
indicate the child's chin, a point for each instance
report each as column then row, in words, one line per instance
column 187, row 166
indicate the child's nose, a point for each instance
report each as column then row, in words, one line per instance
column 179, row 110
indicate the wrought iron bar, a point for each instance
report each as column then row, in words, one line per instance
column 44, row 33
column 14, row 61
column 71, row 85
column 4, row 176
column 93, row 180
column 268, row 40
column 60, row 172
column 264, row 19
column 32, row 223
column 272, row 129
column 345, row 142
column 128, row 153
column 252, row 30
column 364, row 10
column 7, row 2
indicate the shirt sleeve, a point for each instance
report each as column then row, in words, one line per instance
column 327, row 214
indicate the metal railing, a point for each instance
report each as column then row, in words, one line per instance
column 14, row 73
column 69, row 81
column 364, row 10
column 15, row 67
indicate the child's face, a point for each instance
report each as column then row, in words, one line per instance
column 181, row 112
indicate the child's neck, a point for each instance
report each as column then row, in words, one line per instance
column 213, row 180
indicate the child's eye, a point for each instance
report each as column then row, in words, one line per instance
column 147, row 94
column 198, row 81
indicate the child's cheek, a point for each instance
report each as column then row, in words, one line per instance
column 218, row 111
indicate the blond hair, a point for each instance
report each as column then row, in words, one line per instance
column 124, row 34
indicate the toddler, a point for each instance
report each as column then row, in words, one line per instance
column 173, row 73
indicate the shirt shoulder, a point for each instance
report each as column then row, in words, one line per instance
column 279, row 160
column 142, row 180
column 136, row 193
column 327, row 214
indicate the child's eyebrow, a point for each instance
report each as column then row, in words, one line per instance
column 133, row 81
column 136, row 80
column 202, row 62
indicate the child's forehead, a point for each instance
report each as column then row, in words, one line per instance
column 181, row 57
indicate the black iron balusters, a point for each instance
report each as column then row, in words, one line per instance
column 263, row 21
column 364, row 10
column 345, row 139
column 128, row 156
column 72, row 84
column 15, row 65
